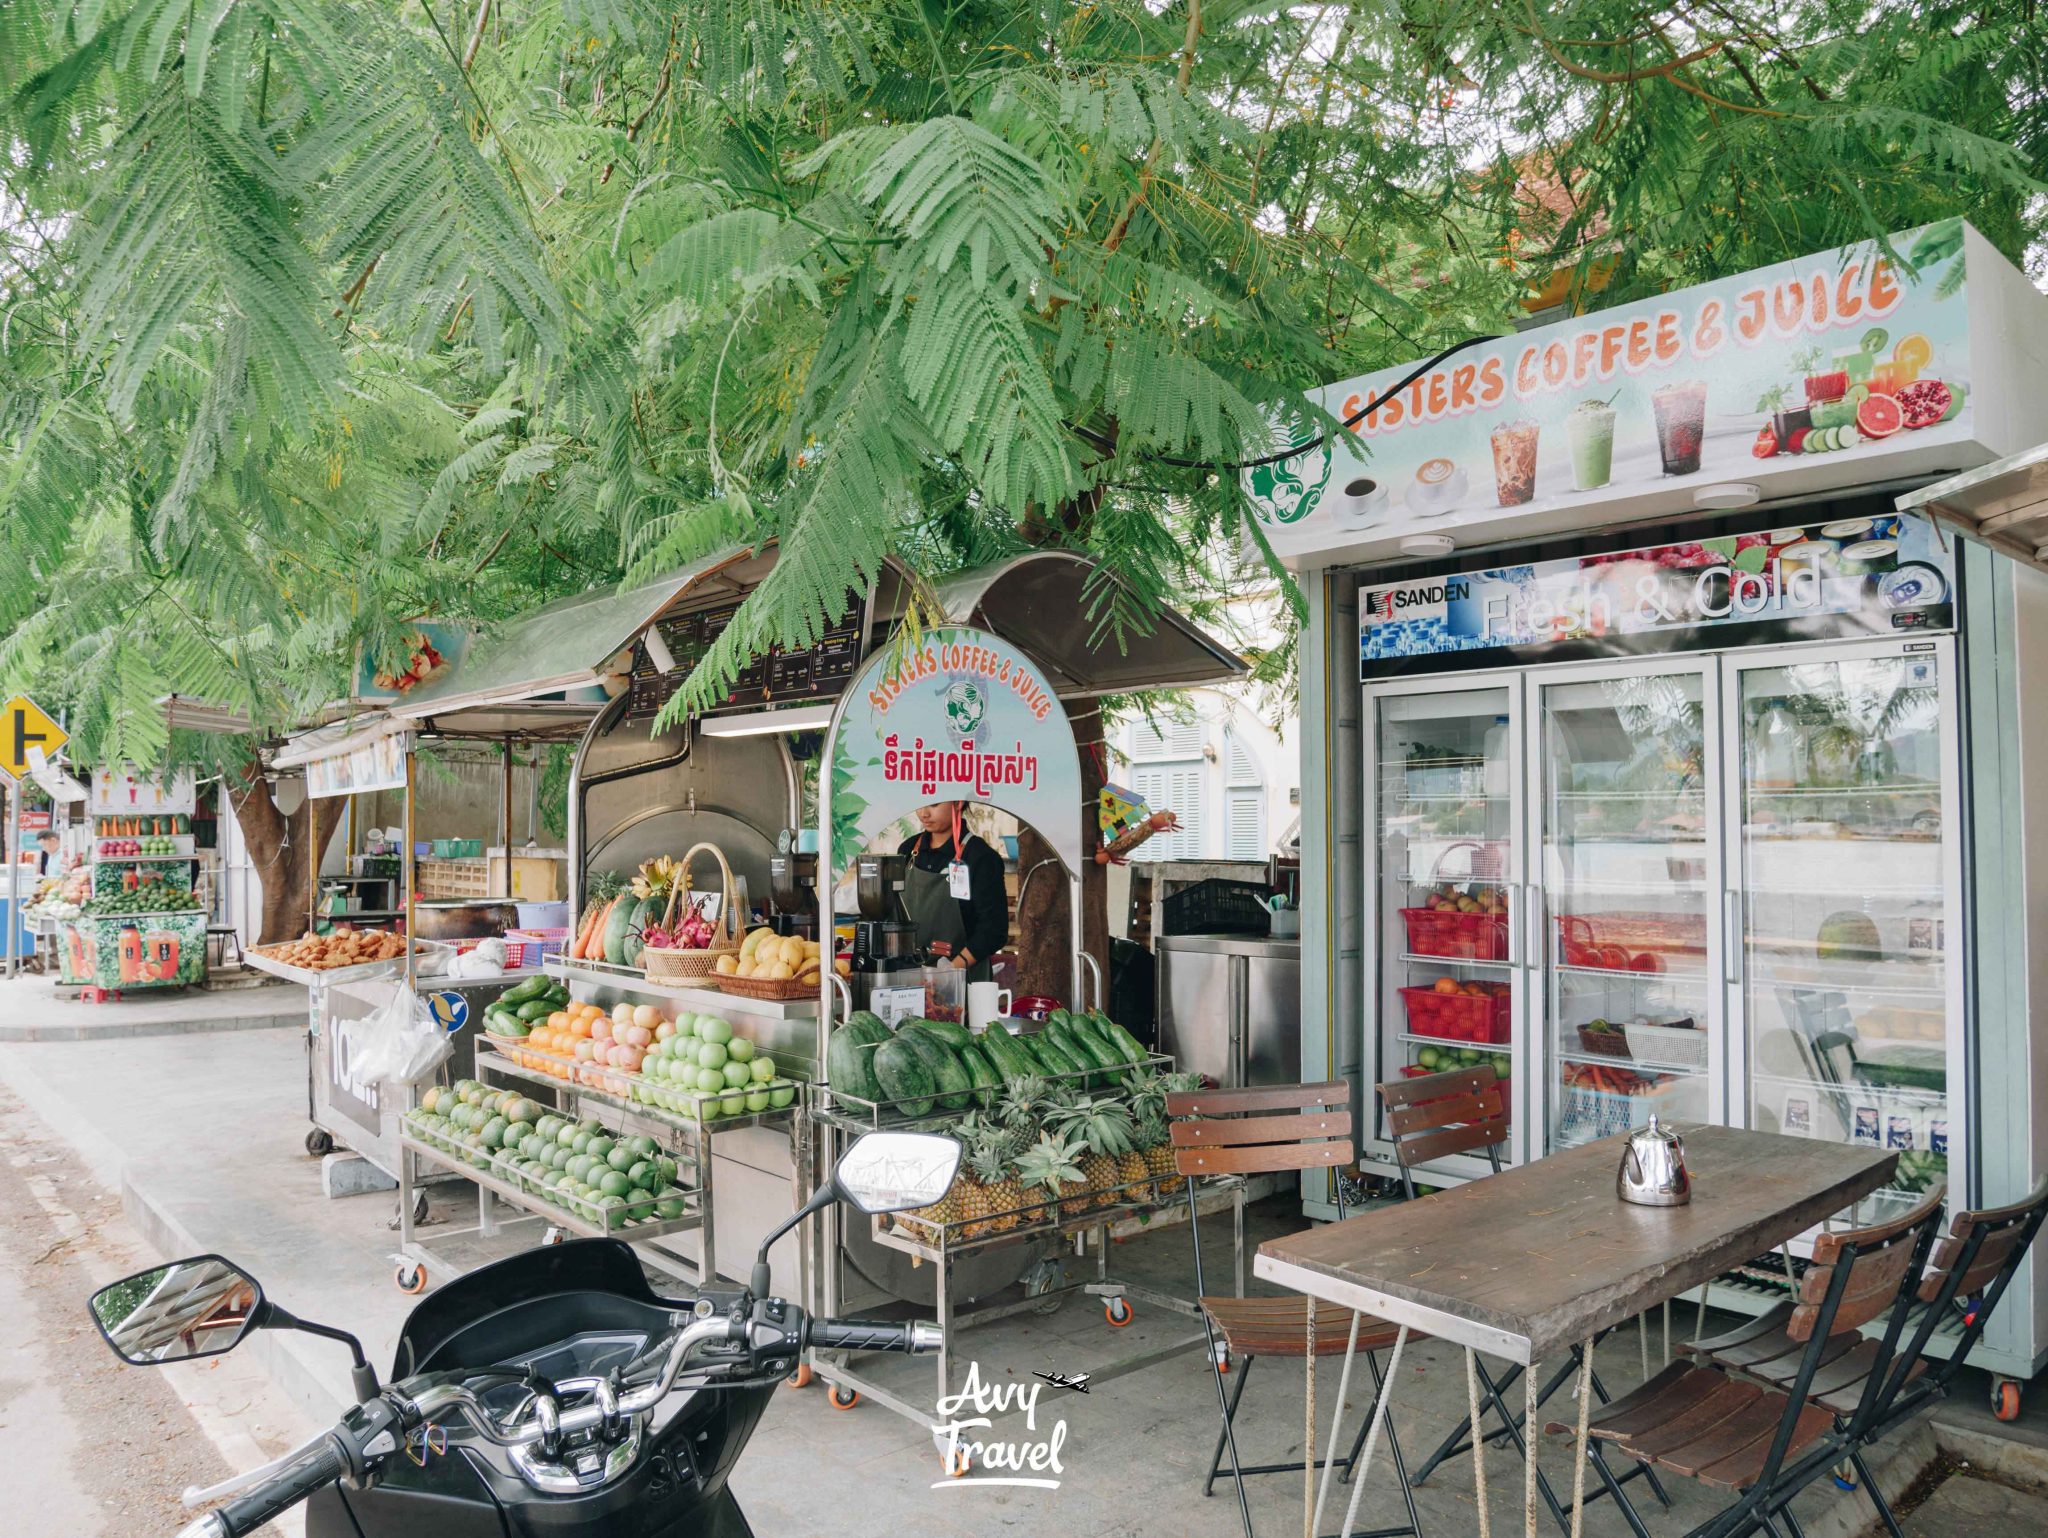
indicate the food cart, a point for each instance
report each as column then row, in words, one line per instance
column 1661, row 736
column 143, row 927
column 737, row 778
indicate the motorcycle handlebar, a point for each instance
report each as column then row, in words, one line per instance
column 327, row 1463
column 873, row 1335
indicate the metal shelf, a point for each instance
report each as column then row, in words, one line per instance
column 1610, row 974
column 1445, row 1041
column 495, row 1061
column 145, row 859
column 517, row 1196
column 850, row 1113
column 1451, row 961
column 1632, row 1064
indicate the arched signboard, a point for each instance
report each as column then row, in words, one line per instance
column 961, row 715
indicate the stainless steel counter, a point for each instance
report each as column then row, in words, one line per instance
column 1230, row 1006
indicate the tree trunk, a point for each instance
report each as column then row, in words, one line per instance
column 1044, row 955
column 280, row 849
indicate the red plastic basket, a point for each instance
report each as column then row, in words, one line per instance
column 1461, row 936
column 527, row 948
column 1638, row 942
column 1480, row 1020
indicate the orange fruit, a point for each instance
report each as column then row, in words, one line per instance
column 1914, row 352
column 1446, row 985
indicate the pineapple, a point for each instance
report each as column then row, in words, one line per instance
column 1102, row 1127
column 1001, row 1194
column 975, row 1198
column 925, row 1223
column 1051, row 1169
column 1153, row 1133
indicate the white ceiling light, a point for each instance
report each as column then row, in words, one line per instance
column 761, row 723
column 1728, row 494
column 1427, row 544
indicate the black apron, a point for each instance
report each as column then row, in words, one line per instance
column 935, row 912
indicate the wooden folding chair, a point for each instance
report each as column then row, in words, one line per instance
column 1973, row 1262
column 1270, row 1129
column 1767, row 1443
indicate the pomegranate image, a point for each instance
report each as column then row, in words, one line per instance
column 1925, row 402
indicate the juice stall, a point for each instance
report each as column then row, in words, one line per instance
column 1661, row 751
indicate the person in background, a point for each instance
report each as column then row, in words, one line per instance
column 49, row 853
column 953, row 891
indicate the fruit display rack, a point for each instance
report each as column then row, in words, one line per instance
column 1077, row 1223
column 681, row 1136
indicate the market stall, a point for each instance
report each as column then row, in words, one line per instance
column 1684, row 751
column 746, row 778
column 140, row 924
column 1061, row 1121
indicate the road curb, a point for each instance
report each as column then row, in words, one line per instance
column 128, row 1030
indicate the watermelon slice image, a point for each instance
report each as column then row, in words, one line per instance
column 1879, row 416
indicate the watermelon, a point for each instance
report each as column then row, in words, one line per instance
column 904, row 1077
column 617, row 927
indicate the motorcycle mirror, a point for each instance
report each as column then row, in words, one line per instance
column 895, row 1171
column 189, row 1308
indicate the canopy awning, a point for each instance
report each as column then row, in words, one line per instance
column 1040, row 602
column 2004, row 503
column 559, row 648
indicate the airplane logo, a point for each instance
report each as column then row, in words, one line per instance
column 1078, row 1382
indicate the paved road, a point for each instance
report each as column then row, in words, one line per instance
column 93, row 1447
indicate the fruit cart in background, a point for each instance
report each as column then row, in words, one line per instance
column 116, row 953
column 150, row 931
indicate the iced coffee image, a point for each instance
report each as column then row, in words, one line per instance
column 1514, row 461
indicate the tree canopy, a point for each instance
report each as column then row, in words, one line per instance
column 316, row 315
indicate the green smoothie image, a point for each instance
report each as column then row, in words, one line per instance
column 1590, row 431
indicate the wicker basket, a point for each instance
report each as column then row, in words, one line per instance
column 771, row 987
column 697, row 967
column 1604, row 1043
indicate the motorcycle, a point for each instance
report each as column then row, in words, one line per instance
column 549, row 1393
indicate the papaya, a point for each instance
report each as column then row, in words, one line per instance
column 617, row 927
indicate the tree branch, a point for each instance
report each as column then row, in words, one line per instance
column 1122, row 227
column 476, row 33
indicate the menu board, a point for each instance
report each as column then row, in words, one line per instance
column 780, row 676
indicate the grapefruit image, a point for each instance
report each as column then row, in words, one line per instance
column 1879, row 416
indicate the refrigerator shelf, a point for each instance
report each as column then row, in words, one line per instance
column 1453, row 961
column 1632, row 1064
column 1927, row 1098
column 1614, row 974
column 1909, row 788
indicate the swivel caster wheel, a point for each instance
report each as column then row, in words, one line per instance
column 842, row 1398
column 1118, row 1312
column 410, row 1280
column 2005, row 1398
column 319, row 1142
column 801, row 1377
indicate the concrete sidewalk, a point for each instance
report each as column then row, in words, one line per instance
column 31, row 1009
column 203, row 1137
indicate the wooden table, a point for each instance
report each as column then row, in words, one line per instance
column 1542, row 1258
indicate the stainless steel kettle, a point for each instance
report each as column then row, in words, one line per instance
column 1652, row 1170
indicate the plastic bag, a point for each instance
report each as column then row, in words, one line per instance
column 400, row 1043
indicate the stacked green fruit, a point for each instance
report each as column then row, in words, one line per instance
column 1444, row 1059
column 938, row 1064
column 577, row 1166
column 146, row 897
column 701, row 1068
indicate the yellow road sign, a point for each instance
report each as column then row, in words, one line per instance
column 23, row 725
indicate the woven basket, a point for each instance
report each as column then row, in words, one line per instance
column 697, row 967
column 771, row 987
column 1604, row 1043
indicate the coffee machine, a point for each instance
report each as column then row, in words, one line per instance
column 793, row 889
column 885, row 960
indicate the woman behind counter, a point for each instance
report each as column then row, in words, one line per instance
column 953, row 890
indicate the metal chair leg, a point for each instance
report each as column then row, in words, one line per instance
column 1622, row 1503
column 1458, row 1441
column 1229, row 1419
column 1791, row 1522
column 1884, row 1507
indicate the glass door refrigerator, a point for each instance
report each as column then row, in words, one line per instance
column 1626, row 889
column 1846, row 1003
column 1444, row 874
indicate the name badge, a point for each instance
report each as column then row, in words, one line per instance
column 957, row 882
